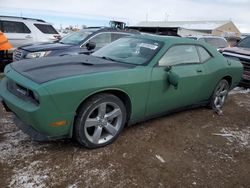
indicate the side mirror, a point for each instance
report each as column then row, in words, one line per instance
column 90, row 46
column 173, row 79
column 168, row 68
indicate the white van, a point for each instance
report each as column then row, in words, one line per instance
column 21, row 31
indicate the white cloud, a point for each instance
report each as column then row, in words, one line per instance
column 134, row 11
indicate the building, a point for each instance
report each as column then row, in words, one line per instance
column 186, row 28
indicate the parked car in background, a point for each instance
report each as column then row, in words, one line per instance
column 85, row 41
column 241, row 52
column 92, row 97
column 218, row 42
column 21, row 31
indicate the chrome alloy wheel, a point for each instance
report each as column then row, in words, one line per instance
column 221, row 94
column 103, row 123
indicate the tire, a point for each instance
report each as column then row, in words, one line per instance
column 219, row 95
column 99, row 121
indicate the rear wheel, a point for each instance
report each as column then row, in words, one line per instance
column 219, row 95
column 100, row 121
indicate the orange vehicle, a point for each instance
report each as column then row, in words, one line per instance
column 4, row 43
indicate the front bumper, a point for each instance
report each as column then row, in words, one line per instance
column 27, row 129
column 34, row 134
column 37, row 120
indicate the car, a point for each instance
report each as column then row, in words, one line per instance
column 85, row 41
column 136, row 78
column 218, row 42
column 241, row 52
column 21, row 31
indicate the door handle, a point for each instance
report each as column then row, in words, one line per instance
column 199, row 70
column 28, row 36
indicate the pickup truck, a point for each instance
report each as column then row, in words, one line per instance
column 241, row 52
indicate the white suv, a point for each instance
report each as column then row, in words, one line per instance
column 21, row 31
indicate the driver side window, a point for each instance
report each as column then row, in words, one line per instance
column 101, row 40
column 180, row 54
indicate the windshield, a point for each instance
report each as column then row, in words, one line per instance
column 217, row 42
column 130, row 50
column 75, row 38
column 245, row 43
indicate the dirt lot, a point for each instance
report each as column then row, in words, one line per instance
column 195, row 148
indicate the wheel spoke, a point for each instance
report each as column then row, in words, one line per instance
column 220, row 101
column 111, row 129
column 216, row 101
column 223, row 93
column 113, row 114
column 102, row 109
column 91, row 122
column 222, row 87
column 97, row 134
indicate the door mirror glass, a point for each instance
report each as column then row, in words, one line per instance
column 90, row 46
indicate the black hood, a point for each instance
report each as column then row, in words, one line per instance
column 45, row 47
column 42, row 70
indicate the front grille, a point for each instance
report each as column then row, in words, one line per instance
column 246, row 66
column 17, row 55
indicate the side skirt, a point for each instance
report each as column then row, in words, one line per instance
column 201, row 104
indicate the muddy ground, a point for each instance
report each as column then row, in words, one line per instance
column 195, row 148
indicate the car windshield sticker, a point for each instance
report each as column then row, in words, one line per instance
column 150, row 46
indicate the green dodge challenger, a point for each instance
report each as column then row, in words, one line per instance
column 135, row 78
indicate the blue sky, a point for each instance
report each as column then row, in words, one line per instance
column 99, row 12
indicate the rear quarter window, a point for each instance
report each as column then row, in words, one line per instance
column 46, row 29
column 204, row 55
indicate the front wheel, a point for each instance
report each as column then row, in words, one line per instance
column 100, row 121
column 219, row 95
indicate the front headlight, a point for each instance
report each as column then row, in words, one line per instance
column 37, row 54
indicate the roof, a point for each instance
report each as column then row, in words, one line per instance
column 192, row 25
column 165, row 39
column 21, row 18
column 109, row 29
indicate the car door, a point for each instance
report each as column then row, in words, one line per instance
column 183, row 61
column 17, row 33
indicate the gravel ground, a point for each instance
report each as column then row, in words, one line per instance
column 194, row 148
